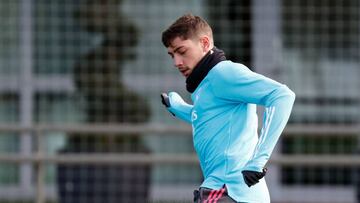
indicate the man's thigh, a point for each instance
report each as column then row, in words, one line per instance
column 206, row 195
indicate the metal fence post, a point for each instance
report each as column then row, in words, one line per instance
column 39, row 167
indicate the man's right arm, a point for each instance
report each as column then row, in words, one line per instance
column 177, row 106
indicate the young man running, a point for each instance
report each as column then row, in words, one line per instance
column 223, row 114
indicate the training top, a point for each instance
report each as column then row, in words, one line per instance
column 224, row 123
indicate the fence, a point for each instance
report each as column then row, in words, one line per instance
column 80, row 83
column 39, row 158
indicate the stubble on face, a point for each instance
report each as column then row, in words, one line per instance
column 185, row 54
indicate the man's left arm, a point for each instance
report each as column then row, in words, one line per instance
column 276, row 115
column 241, row 84
column 278, row 107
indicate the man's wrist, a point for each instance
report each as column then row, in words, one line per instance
column 253, row 168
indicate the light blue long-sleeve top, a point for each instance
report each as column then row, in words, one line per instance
column 224, row 122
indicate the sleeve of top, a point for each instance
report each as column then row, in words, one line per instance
column 236, row 82
column 179, row 107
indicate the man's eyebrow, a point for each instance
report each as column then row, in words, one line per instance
column 175, row 50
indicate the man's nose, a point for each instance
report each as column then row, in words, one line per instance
column 177, row 61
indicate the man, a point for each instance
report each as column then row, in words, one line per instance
column 223, row 114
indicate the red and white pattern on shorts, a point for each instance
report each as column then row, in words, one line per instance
column 207, row 195
column 214, row 196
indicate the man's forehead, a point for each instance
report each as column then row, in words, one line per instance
column 176, row 43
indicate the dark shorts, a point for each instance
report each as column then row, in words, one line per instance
column 206, row 195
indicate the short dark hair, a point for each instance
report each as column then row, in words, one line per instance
column 186, row 27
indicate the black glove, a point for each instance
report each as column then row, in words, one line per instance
column 166, row 101
column 253, row 177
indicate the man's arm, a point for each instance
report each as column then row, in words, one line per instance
column 238, row 83
column 177, row 106
column 277, row 112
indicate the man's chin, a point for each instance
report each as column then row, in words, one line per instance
column 187, row 74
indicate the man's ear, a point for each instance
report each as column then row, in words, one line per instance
column 205, row 43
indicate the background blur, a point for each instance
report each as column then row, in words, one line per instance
column 80, row 113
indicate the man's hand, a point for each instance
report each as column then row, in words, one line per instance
column 165, row 100
column 253, row 177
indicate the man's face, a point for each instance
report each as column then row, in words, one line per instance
column 187, row 53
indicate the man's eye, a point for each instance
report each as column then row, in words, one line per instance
column 182, row 52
